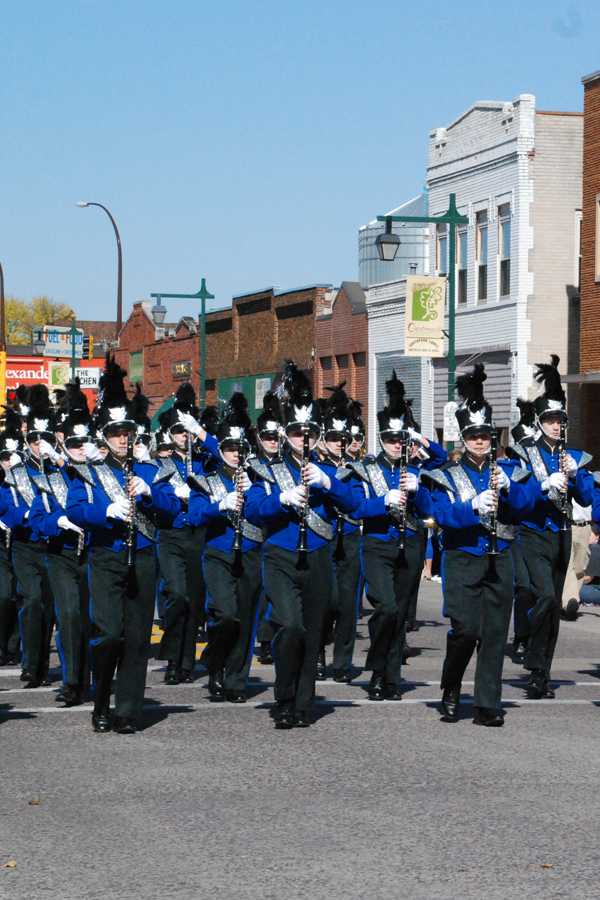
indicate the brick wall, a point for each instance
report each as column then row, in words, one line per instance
column 255, row 336
column 590, row 289
column 341, row 346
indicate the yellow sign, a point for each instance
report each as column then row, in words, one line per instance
column 424, row 318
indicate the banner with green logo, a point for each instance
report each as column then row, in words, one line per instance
column 424, row 319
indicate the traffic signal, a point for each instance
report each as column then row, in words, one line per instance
column 88, row 346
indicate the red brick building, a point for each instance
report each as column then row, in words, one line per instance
column 341, row 343
column 589, row 377
column 246, row 345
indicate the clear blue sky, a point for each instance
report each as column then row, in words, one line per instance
column 245, row 141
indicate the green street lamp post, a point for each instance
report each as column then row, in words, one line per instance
column 387, row 248
column 83, row 204
column 159, row 313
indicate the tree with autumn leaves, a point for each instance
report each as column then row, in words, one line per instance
column 23, row 317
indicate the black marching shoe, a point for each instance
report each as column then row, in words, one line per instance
column 342, row 677
column 303, row 719
column 321, row 667
column 376, row 687
column 284, row 715
column 235, row 697
column 31, row 680
column 450, row 704
column 186, row 676
column 265, row 657
column 101, row 721
column 490, row 718
column 548, row 691
column 215, row 686
column 571, row 610
column 124, row 725
column 172, row 674
column 519, row 646
column 70, row 695
column 536, row 686
column 392, row 692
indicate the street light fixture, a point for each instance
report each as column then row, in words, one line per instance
column 387, row 243
column 83, row 204
column 38, row 342
column 159, row 312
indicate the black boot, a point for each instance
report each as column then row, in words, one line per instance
column 265, row 656
column 71, row 695
column 284, row 715
column 172, row 674
column 376, row 687
column 536, row 686
column 321, row 666
column 104, row 660
column 490, row 718
column 215, row 685
column 450, row 704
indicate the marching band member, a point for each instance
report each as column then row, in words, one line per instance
column 477, row 504
column 113, row 500
column 297, row 510
column 390, row 501
column 545, row 534
column 67, row 556
column 231, row 561
column 11, row 445
column 29, row 546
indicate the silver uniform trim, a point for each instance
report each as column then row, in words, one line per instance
column 540, row 470
column 285, row 482
column 113, row 489
column 381, row 487
column 218, row 490
column 466, row 492
column 22, row 482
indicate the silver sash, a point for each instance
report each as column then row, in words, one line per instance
column 82, row 470
column 114, row 491
column 466, row 491
column 540, row 471
column 381, row 487
column 261, row 469
column 18, row 476
column 285, row 482
column 217, row 490
column 59, row 488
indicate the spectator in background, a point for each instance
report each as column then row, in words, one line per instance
column 580, row 554
column 590, row 589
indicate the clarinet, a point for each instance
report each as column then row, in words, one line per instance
column 188, row 458
column 564, row 495
column 131, row 535
column 238, row 516
column 402, row 509
column 339, row 553
column 493, row 551
column 302, row 563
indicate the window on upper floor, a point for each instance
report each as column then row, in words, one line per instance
column 481, row 253
column 461, row 258
column 441, row 257
column 504, row 247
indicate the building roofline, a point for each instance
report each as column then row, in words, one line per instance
column 594, row 76
column 556, row 112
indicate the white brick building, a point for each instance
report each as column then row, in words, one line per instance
column 516, row 173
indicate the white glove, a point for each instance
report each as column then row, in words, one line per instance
column 557, row 480
column 570, row 465
column 411, row 483
column 394, row 498
column 14, row 460
column 189, row 423
column 484, row 503
column 119, row 509
column 182, row 491
column 503, row 480
column 316, row 477
column 414, row 435
column 245, row 482
column 46, row 449
column 295, row 497
column 229, row 501
column 67, row 525
column 140, row 488
column 141, row 452
column 92, row 451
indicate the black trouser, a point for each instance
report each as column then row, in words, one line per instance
column 9, row 626
column 546, row 555
column 411, row 615
column 523, row 597
column 390, row 576
column 36, row 617
column 180, row 561
column 265, row 631
column 340, row 618
column 299, row 600
column 231, row 607
column 69, row 582
column 478, row 601
column 121, row 614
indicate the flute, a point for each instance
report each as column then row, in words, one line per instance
column 493, row 551
column 302, row 530
column 130, row 538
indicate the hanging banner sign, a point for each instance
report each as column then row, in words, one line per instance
column 424, row 318
column 451, row 429
column 58, row 341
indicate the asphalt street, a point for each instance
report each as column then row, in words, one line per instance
column 375, row 800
